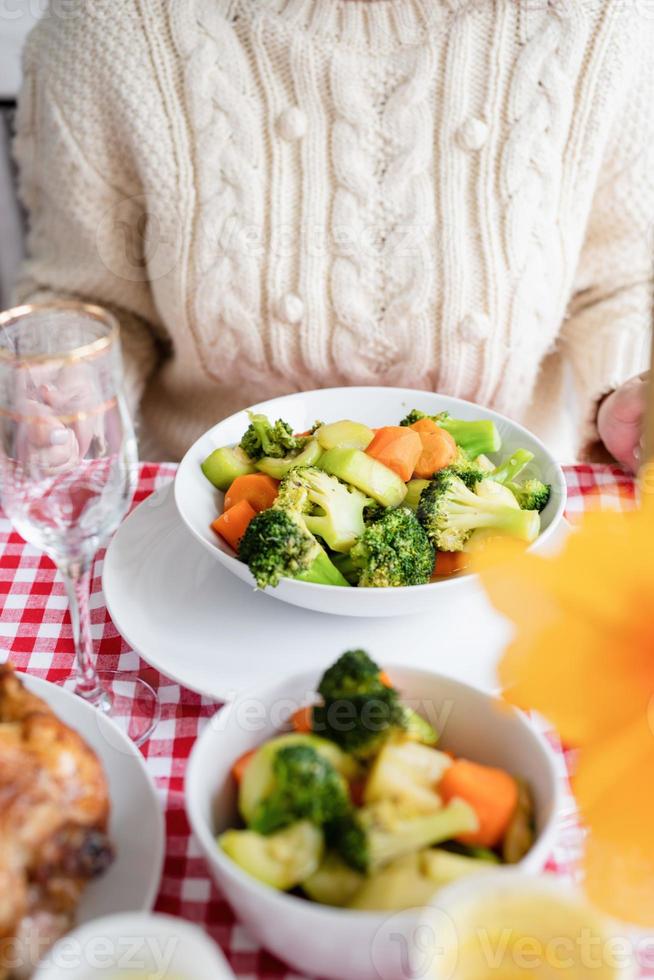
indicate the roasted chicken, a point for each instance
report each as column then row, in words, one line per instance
column 54, row 810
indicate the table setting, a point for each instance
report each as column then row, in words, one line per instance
column 129, row 620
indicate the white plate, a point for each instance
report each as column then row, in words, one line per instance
column 132, row 882
column 198, row 502
column 188, row 617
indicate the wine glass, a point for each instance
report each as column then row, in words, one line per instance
column 68, row 462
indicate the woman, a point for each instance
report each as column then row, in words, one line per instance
column 276, row 195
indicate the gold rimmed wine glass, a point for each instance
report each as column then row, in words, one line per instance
column 68, row 462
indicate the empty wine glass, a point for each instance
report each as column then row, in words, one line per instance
column 68, row 463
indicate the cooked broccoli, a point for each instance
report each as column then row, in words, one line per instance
column 394, row 551
column 531, row 495
column 277, row 544
column 474, row 437
column 373, row 512
column 346, row 567
column 305, row 787
column 358, row 710
column 449, row 512
column 512, row 466
column 330, row 509
column 265, row 438
column 372, row 836
column 468, row 470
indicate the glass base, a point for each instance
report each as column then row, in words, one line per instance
column 128, row 700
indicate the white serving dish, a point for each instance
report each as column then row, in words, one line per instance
column 334, row 943
column 198, row 502
column 133, row 945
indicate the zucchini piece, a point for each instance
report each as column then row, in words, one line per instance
column 413, row 490
column 222, row 466
column 344, row 435
column 442, row 867
column 278, row 468
column 334, row 883
column 400, row 885
column 365, row 473
column 257, row 780
column 418, row 728
column 282, row 860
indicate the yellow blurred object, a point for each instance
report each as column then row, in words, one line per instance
column 583, row 656
column 519, row 928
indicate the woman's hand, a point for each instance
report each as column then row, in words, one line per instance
column 620, row 421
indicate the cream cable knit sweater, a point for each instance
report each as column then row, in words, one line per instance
column 287, row 194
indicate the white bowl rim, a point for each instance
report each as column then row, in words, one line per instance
column 453, row 582
column 207, row 838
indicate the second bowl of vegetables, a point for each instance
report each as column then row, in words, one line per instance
column 385, row 492
column 325, row 805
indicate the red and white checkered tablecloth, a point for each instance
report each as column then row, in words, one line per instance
column 35, row 633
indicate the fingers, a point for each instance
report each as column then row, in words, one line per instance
column 620, row 421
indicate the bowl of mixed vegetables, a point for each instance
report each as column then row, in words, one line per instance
column 365, row 501
column 326, row 805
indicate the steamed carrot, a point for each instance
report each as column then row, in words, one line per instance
column 438, row 448
column 302, row 719
column 449, row 563
column 232, row 525
column 397, row 447
column 258, row 489
column 385, row 679
column 492, row 793
column 241, row 764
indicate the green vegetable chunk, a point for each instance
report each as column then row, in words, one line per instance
column 282, row 860
column 418, row 728
column 366, row 474
column 334, row 883
column 532, row 494
column 222, row 466
column 476, row 437
column 260, row 780
column 377, row 834
column 278, row 468
column 512, row 466
column 394, row 551
column 330, row 509
column 345, row 435
column 407, row 773
column 278, row 544
column 413, row 490
column 266, row 438
column 358, row 711
column 450, row 512
column 305, row 787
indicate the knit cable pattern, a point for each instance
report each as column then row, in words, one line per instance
column 228, row 163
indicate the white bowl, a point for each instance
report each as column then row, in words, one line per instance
column 334, row 943
column 199, row 503
column 157, row 947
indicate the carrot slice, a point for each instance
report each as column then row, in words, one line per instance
column 397, row 447
column 492, row 793
column 385, row 679
column 241, row 765
column 450, row 562
column 302, row 719
column 232, row 525
column 438, row 448
column 258, row 489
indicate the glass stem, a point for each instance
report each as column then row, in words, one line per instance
column 77, row 579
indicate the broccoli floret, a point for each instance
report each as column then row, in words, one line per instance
column 277, row 544
column 449, row 512
column 346, row 567
column 512, row 466
column 373, row 512
column 531, row 495
column 394, row 551
column 372, row 836
column 330, row 509
column 358, row 710
column 468, row 470
column 476, row 437
column 306, row 787
column 265, row 438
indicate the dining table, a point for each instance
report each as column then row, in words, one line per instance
column 36, row 636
